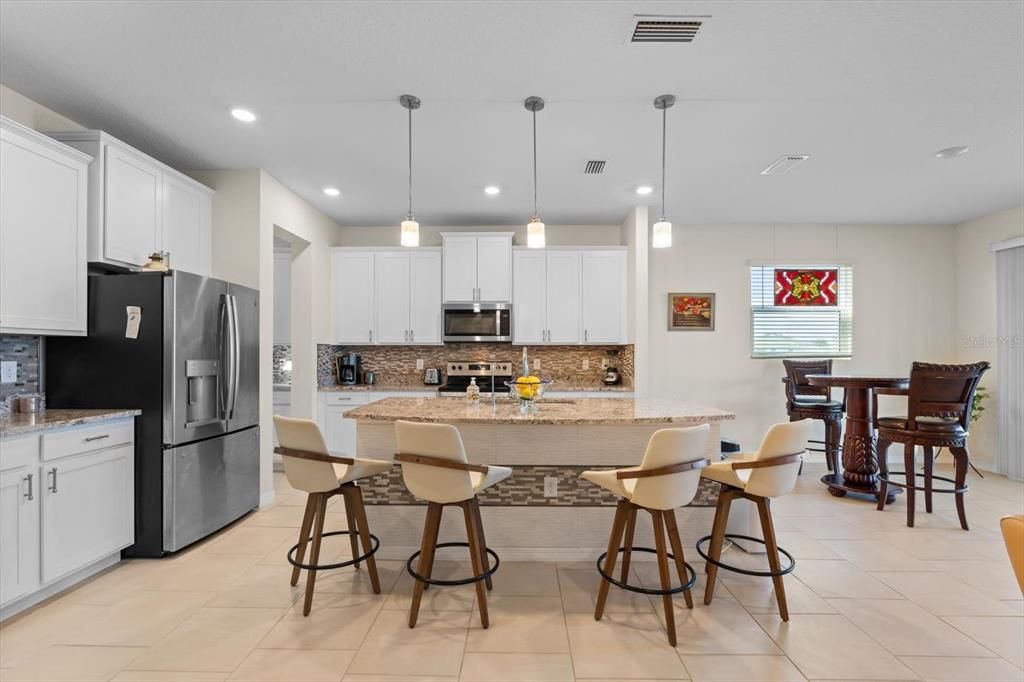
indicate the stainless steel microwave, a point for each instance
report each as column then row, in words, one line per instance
column 477, row 321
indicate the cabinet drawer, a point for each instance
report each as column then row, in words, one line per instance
column 18, row 452
column 345, row 399
column 87, row 439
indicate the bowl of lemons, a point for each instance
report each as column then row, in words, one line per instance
column 529, row 390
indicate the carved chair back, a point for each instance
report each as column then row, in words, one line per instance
column 796, row 373
column 943, row 391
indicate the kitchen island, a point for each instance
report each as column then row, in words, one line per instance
column 544, row 511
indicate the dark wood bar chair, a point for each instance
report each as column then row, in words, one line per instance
column 804, row 401
column 768, row 473
column 666, row 478
column 310, row 467
column 938, row 413
column 435, row 468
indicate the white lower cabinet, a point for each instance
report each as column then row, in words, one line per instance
column 339, row 433
column 67, row 500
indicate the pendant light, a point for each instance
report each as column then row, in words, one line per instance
column 661, row 238
column 410, row 228
column 535, row 228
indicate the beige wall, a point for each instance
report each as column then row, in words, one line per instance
column 556, row 235
column 27, row 112
column 902, row 294
column 975, row 298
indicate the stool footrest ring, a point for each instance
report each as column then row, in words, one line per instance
column 646, row 590
column 897, row 484
column 452, row 583
column 341, row 564
column 747, row 571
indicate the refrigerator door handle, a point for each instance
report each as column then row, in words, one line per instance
column 223, row 332
column 236, row 353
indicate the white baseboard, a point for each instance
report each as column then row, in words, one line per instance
column 267, row 498
column 64, row 583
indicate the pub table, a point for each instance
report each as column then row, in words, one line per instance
column 860, row 455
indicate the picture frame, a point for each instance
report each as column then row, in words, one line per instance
column 691, row 312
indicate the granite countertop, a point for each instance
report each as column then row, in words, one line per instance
column 17, row 424
column 334, row 388
column 551, row 411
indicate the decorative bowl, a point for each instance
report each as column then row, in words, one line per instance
column 528, row 390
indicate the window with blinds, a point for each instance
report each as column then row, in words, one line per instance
column 812, row 331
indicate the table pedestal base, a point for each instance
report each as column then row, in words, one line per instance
column 839, row 487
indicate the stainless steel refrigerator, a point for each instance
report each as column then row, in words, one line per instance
column 192, row 367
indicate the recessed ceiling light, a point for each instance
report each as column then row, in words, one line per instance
column 952, row 152
column 332, row 191
column 644, row 190
column 243, row 115
column 492, row 190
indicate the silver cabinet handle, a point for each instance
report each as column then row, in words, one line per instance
column 586, row 336
column 371, row 336
column 412, row 335
column 53, row 485
column 92, row 438
column 28, row 495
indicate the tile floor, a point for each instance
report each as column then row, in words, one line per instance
column 870, row 600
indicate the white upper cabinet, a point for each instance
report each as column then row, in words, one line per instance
column 477, row 266
column 386, row 296
column 187, row 211
column 352, row 290
column 568, row 296
column 603, row 296
column 138, row 205
column 391, row 275
column 43, row 222
column 425, row 297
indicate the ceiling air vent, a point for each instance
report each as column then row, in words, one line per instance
column 665, row 29
column 594, row 167
column 784, row 164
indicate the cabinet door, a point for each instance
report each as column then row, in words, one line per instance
column 185, row 225
column 604, row 296
column 460, row 267
column 425, row 297
column 42, row 238
column 132, row 189
column 529, row 303
column 19, row 532
column 563, row 297
column 494, row 268
column 352, row 297
column 391, row 276
column 340, row 433
column 87, row 507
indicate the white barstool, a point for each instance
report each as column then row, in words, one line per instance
column 758, row 477
column 435, row 469
column 666, row 478
column 310, row 467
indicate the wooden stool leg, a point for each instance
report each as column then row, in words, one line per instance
column 320, row 512
column 307, row 522
column 473, row 534
column 677, row 550
column 427, row 546
column 618, row 525
column 772, row 547
column 961, row 459
column 359, row 509
column 832, row 433
column 717, row 540
column 353, row 526
column 908, row 465
column 929, row 463
column 666, row 582
column 627, row 553
column 882, row 449
column 484, row 559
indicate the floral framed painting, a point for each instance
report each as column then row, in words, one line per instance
column 691, row 312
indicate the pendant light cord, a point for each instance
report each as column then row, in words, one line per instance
column 534, row 163
column 664, row 116
column 410, row 164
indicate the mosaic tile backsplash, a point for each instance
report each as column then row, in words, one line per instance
column 282, row 364
column 25, row 351
column 396, row 365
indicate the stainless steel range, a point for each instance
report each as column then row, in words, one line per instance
column 490, row 376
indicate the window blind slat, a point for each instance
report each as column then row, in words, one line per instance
column 784, row 331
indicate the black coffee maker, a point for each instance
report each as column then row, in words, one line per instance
column 348, row 368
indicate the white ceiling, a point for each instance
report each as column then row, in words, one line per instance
column 870, row 89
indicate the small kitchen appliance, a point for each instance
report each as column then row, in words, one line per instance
column 432, row 376
column 611, row 374
column 461, row 373
column 349, row 368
